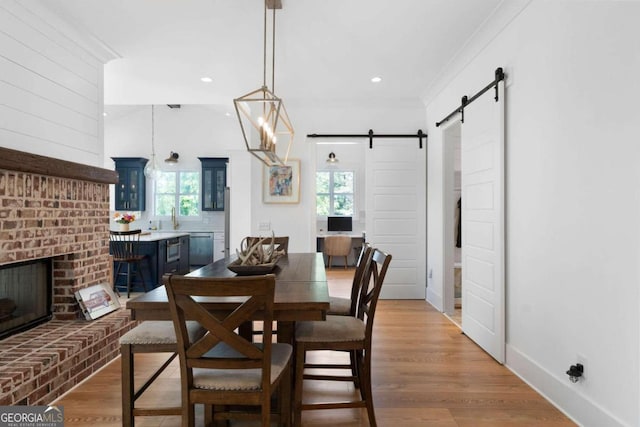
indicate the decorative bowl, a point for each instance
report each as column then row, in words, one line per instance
column 250, row 270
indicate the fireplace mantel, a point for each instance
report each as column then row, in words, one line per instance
column 19, row 161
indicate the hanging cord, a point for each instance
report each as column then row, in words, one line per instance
column 273, row 53
column 153, row 128
column 264, row 47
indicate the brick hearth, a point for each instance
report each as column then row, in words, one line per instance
column 44, row 362
column 59, row 209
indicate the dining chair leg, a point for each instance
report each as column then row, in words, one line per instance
column 353, row 361
column 297, row 389
column 285, row 397
column 127, row 386
column 366, row 388
column 346, row 262
column 208, row 415
column 188, row 416
column 128, row 280
column 265, row 412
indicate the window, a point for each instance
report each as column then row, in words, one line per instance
column 178, row 189
column 334, row 193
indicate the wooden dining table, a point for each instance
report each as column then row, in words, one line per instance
column 301, row 293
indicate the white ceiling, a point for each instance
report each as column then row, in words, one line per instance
column 326, row 50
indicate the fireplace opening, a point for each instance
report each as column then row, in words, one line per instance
column 25, row 295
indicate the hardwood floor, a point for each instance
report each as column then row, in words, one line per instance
column 425, row 373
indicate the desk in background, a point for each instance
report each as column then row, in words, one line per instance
column 356, row 247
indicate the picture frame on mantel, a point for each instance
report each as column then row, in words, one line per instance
column 281, row 184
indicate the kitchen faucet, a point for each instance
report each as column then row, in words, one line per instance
column 174, row 221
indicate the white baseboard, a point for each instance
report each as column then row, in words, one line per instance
column 434, row 299
column 560, row 392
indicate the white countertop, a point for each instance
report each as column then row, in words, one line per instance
column 153, row 236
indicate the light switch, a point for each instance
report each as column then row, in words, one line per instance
column 264, row 226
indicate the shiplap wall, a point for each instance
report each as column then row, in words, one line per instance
column 51, row 85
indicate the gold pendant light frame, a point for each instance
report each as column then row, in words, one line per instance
column 262, row 113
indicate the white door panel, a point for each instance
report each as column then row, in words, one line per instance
column 483, row 310
column 396, row 214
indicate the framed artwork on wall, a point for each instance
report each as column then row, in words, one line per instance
column 281, row 184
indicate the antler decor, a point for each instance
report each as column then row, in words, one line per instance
column 253, row 251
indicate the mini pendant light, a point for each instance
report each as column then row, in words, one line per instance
column 151, row 170
column 332, row 158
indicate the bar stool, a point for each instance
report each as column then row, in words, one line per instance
column 153, row 336
column 124, row 246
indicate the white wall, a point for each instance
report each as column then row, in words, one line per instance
column 51, row 85
column 573, row 199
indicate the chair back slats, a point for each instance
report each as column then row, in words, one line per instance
column 373, row 279
column 223, row 330
column 361, row 266
column 221, row 347
column 123, row 244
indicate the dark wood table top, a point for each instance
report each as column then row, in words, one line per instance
column 301, row 290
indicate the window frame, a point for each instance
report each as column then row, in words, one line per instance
column 332, row 194
column 178, row 194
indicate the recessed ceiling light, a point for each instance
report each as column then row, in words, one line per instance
column 206, row 79
column 104, row 113
column 228, row 114
column 376, row 79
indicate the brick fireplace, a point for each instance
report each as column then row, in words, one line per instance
column 51, row 208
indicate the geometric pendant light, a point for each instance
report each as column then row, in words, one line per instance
column 266, row 128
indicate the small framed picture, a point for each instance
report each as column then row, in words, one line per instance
column 281, row 184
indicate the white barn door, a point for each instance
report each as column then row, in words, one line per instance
column 483, row 269
column 396, row 213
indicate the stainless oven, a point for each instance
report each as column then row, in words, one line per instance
column 173, row 250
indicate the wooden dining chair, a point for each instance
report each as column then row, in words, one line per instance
column 347, row 306
column 338, row 245
column 340, row 306
column 223, row 370
column 343, row 333
column 125, row 249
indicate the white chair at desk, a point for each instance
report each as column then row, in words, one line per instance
column 338, row 245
